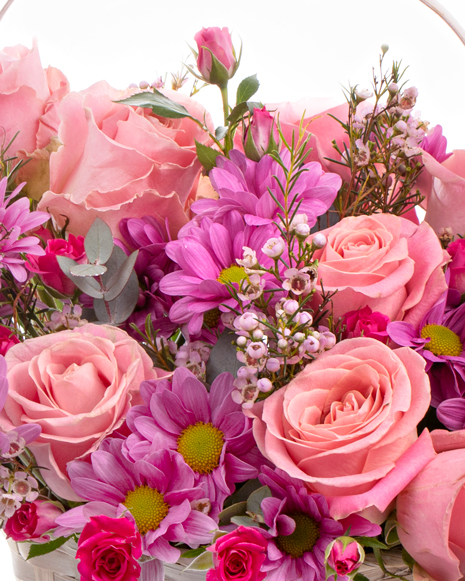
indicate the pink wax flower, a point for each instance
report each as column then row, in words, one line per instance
column 344, row 560
column 238, row 556
column 347, row 425
column 108, row 548
column 7, row 339
column 78, row 386
column 457, row 266
column 384, row 262
column 366, row 323
column 261, row 135
column 47, row 266
column 32, row 520
column 216, row 59
column 151, row 154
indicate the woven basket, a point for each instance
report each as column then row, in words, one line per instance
column 61, row 566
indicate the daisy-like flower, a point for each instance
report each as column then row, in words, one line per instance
column 158, row 492
column 15, row 221
column 300, row 529
column 440, row 339
column 207, row 429
column 206, row 255
column 244, row 185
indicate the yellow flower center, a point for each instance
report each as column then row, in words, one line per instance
column 232, row 274
column 443, row 340
column 200, row 445
column 304, row 537
column 211, row 318
column 147, row 506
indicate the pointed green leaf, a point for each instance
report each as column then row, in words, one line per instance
column 159, row 104
column 219, row 74
column 242, row 108
column 360, row 577
column 43, row 549
column 122, row 307
column 371, row 542
column 255, row 499
column 201, row 563
column 98, row 242
column 85, row 270
column 193, row 553
column 119, row 279
column 244, row 521
column 237, row 509
column 87, row 285
column 247, row 89
column 407, row 559
column 207, row 155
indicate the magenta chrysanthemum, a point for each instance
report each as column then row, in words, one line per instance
column 158, row 491
column 207, row 257
column 208, row 429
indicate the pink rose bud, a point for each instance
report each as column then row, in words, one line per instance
column 261, row 136
column 344, row 556
column 216, row 59
column 32, row 520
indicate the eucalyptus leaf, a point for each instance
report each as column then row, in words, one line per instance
column 201, row 563
column 243, row 492
column 87, row 285
column 207, row 155
column 98, row 242
column 160, row 105
column 247, row 89
column 120, row 308
column 221, row 132
column 223, row 357
column 244, row 521
column 242, row 108
column 255, row 500
column 238, row 509
column 84, row 270
column 119, row 279
column 44, row 548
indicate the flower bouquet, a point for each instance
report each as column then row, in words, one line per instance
column 232, row 353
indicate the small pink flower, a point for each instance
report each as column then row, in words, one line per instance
column 32, row 520
column 366, row 323
column 108, row 549
column 274, row 247
column 345, row 560
column 7, row 339
column 457, row 266
column 216, row 43
column 238, row 556
column 260, row 134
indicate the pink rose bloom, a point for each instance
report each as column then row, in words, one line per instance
column 345, row 561
column 457, row 266
column 238, row 556
column 347, row 425
column 384, row 262
column 430, row 512
column 366, row 323
column 7, row 339
column 48, row 268
column 77, row 385
column 108, row 549
column 217, row 42
column 119, row 162
column 32, row 520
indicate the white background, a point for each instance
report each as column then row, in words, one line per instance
column 297, row 48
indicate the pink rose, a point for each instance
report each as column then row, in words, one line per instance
column 77, row 385
column 47, row 266
column 32, row 520
column 384, row 262
column 238, row 556
column 108, row 549
column 7, row 339
column 119, row 162
column 216, row 42
column 457, row 266
column 347, row 425
column 366, row 323
column 261, row 133
column 344, row 560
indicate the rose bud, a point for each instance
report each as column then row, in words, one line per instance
column 261, row 136
column 344, row 556
column 216, row 59
column 32, row 520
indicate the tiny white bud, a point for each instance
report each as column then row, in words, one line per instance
column 257, row 334
column 282, row 343
column 319, row 240
column 241, row 341
column 299, row 337
column 384, row 48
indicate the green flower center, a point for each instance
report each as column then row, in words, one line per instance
column 211, row 318
column 201, row 445
column 147, row 506
column 232, row 274
column 443, row 340
column 304, row 537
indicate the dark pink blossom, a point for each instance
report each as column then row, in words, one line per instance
column 32, row 520
column 7, row 339
column 366, row 323
column 457, row 266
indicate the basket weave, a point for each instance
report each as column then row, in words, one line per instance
column 61, row 565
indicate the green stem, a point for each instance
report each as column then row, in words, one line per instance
column 224, row 96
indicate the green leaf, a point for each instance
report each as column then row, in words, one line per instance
column 193, row 553
column 159, row 104
column 247, row 89
column 120, row 278
column 238, row 509
column 360, row 577
column 407, row 559
column 221, row 132
column 255, row 499
column 98, row 242
column 223, row 357
column 244, row 521
column 242, row 108
column 391, row 537
column 87, row 285
column 371, row 542
column 43, row 549
column 207, row 155
column 85, row 270
column 201, row 563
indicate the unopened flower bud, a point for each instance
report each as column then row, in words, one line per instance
column 273, row 364
column 344, row 556
column 393, row 88
column 302, row 230
column 257, row 334
column 241, row 341
column 256, row 350
column 144, row 85
column 362, row 94
column 384, row 48
column 290, row 306
column 299, row 337
column 303, row 318
column 264, row 385
column 282, row 344
column 319, row 240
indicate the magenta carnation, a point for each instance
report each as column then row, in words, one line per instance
column 208, row 429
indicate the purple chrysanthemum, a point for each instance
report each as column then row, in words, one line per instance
column 440, row 339
column 208, row 429
column 243, row 185
column 158, row 491
column 15, row 220
column 207, row 256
